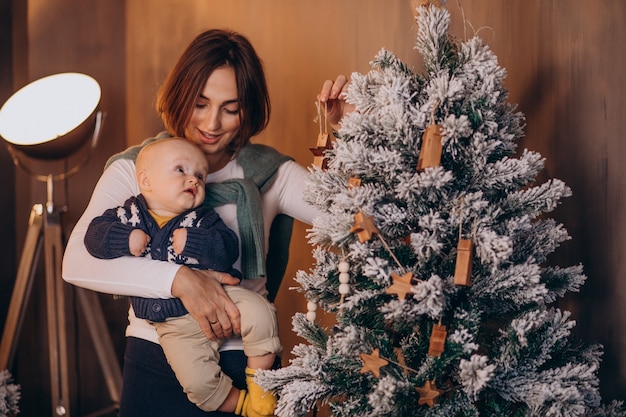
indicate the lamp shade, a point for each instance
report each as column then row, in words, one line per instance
column 52, row 116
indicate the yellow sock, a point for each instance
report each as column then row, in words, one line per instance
column 244, row 406
column 241, row 402
column 261, row 403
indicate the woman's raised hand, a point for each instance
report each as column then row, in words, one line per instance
column 333, row 94
column 202, row 295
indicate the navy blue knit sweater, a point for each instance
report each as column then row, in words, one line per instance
column 210, row 245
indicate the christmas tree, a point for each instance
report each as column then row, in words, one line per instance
column 432, row 254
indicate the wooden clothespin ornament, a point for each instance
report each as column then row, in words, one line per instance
column 430, row 153
column 354, row 182
column 464, row 259
column 437, row 340
column 323, row 138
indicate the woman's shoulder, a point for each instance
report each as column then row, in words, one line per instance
column 131, row 152
column 260, row 163
column 119, row 175
column 258, row 152
column 120, row 166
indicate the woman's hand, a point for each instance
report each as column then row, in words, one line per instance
column 203, row 296
column 333, row 94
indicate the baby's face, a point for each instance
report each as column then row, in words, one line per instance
column 177, row 177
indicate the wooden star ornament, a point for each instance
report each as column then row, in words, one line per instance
column 427, row 394
column 363, row 226
column 401, row 285
column 401, row 360
column 373, row 362
column 323, row 143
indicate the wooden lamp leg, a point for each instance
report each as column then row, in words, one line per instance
column 55, row 304
column 22, row 287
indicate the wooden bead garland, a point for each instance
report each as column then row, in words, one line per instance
column 311, row 314
column 344, row 279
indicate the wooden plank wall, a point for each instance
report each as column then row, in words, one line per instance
column 8, row 259
column 564, row 59
column 59, row 36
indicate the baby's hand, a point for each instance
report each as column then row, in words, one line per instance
column 179, row 240
column 138, row 242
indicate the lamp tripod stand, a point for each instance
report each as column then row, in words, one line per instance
column 45, row 232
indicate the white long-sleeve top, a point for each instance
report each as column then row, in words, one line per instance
column 143, row 277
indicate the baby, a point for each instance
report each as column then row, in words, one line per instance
column 168, row 222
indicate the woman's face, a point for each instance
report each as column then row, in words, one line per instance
column 215, row 120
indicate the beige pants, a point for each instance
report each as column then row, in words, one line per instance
column 195, row 359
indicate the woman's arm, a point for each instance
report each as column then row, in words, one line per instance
column 200, row 291
column 126, row 275
column 290, row 184
column 292, row 177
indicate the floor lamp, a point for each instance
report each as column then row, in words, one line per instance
column 69, row 104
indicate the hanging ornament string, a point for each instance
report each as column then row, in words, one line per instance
column 464, row 19
column 432, row 112
column 461, row 218
column 323, row 124
column 373, row 362
column 467, row 23
column 461, row 211
column 365, row 228
column 386, row 246
column 323, row 138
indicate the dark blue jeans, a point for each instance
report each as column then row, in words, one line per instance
column 150, row 388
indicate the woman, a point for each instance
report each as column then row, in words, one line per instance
column 216, row 97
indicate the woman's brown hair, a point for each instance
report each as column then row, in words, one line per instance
column 209, row 51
